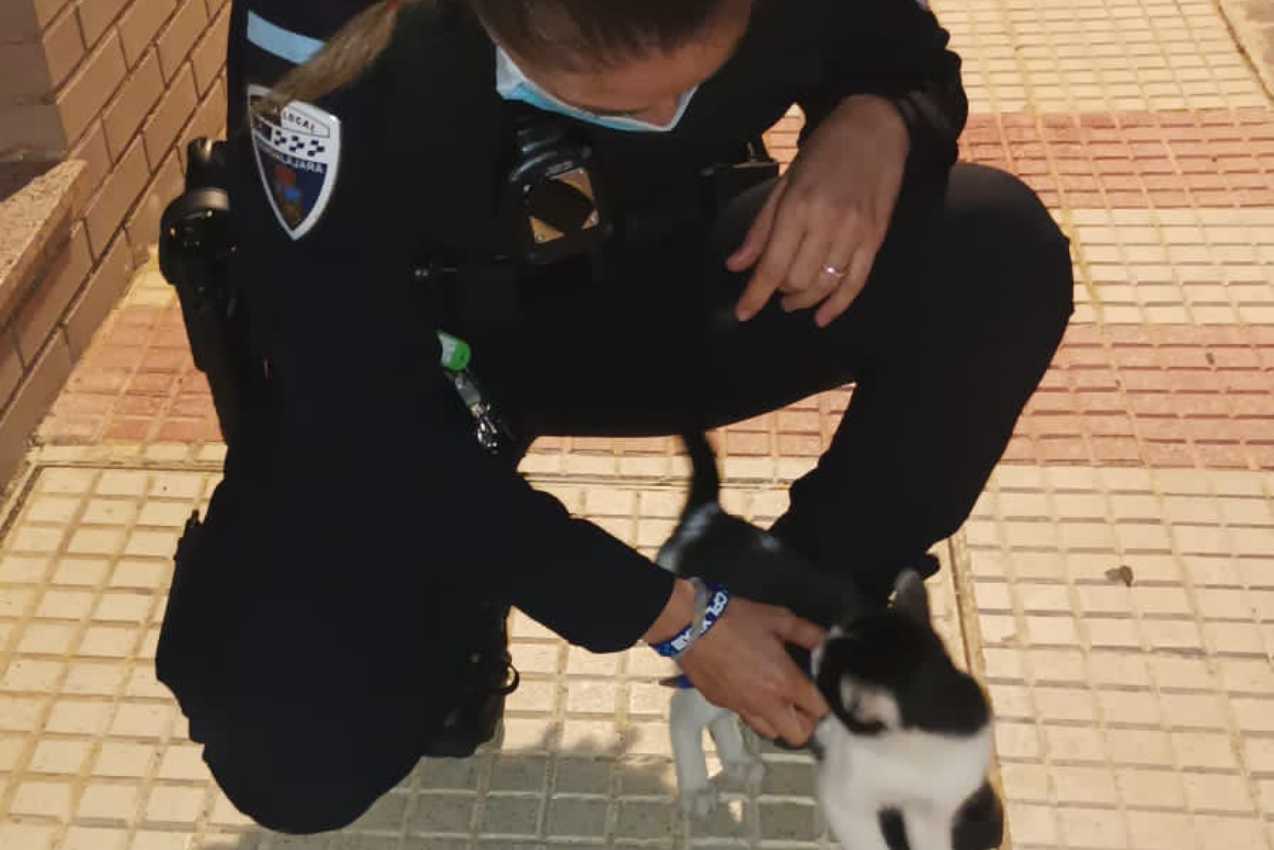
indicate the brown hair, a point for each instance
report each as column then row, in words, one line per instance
column 571, row 34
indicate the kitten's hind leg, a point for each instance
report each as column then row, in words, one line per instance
column 688, row 716
column 740, row 765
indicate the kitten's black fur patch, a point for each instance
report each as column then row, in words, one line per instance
column 981, row 821
column 893, row 829
column 894, row 648
column 748, row 560
column 907, row 660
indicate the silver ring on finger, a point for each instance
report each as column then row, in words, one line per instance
column 835, row 271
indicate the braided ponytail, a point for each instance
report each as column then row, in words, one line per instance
column 348, row 53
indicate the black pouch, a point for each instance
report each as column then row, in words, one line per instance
column 182, row 657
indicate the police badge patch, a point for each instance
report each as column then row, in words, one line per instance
column 298, row 151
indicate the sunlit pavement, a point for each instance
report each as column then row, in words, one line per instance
column 1115, row 586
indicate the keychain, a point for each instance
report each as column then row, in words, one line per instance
column 491, row 430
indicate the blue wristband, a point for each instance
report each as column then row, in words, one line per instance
column 717, row 600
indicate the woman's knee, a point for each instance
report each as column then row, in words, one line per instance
column 1017, row 247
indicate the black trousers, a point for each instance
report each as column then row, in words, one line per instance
column 961, row 316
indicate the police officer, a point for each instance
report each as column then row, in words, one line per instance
column 322, row 634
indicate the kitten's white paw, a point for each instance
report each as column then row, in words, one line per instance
column 699, row 802
column 749, row 771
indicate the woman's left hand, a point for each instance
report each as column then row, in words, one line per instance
column 817, row 236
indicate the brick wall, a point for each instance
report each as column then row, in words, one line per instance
column 121, row 85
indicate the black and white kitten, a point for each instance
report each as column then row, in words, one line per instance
column 903, row 759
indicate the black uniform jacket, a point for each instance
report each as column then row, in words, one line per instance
column 363, row 479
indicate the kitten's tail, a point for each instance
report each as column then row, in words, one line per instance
column 705, row 482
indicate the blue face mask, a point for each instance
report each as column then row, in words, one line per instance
column 512, row 84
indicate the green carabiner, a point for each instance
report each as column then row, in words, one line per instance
column 456, row 353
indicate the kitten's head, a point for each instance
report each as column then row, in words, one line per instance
column 889, row 681
column 887, row 670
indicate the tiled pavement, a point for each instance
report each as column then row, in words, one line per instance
column 1136, row 705
column 94, row 755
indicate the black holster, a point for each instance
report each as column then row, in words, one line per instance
column 196, row 245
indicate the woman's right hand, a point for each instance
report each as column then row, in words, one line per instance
column 742, row 664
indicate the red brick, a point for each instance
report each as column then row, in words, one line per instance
column 1094, row 379
column 92, row 149
column 1063, row 449
column 1110, row 426
column 1045, row 402
column 128, row 430
column 208, row 57
column 1099, row 402
column 1116, row 449
column 1164, row 429
column 201, row 407
column 1053, row 426
column 32, row 400
column 180, row 35
column 1167, row 454
column 1252, row 430
column 747, row 443
column 1262, row 456
column 143, row 225
column 136, row 98
column 107, row 210
column 171, row 360
column 1253, row 405
column 139, row 24
column 188, row 431
column 1209, row 430
column 150, row 383
column 88, row 379
column 57, row 286
column 1192, row 380
column 81, row 100
column 807, row 422
column 1222, row 455
column 138, row 405
column 85, row 404
column 1193, row 357
column 111, row 355
column 1020, row 449
column 96, row 15
column 1250, row 382
column 1201, row 404
column 101, row 292
column 800, row 445
column 174, row 111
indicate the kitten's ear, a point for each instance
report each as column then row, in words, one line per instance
column 911, row 598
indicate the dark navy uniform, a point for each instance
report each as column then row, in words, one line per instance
column 359, row 518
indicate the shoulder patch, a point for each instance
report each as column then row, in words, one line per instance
column 298, row 152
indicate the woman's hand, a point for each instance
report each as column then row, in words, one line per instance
column 818, row 234
column 742, row 664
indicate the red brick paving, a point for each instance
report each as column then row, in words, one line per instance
column 1181, row 158
column 137, row 384
column 1164, row 395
